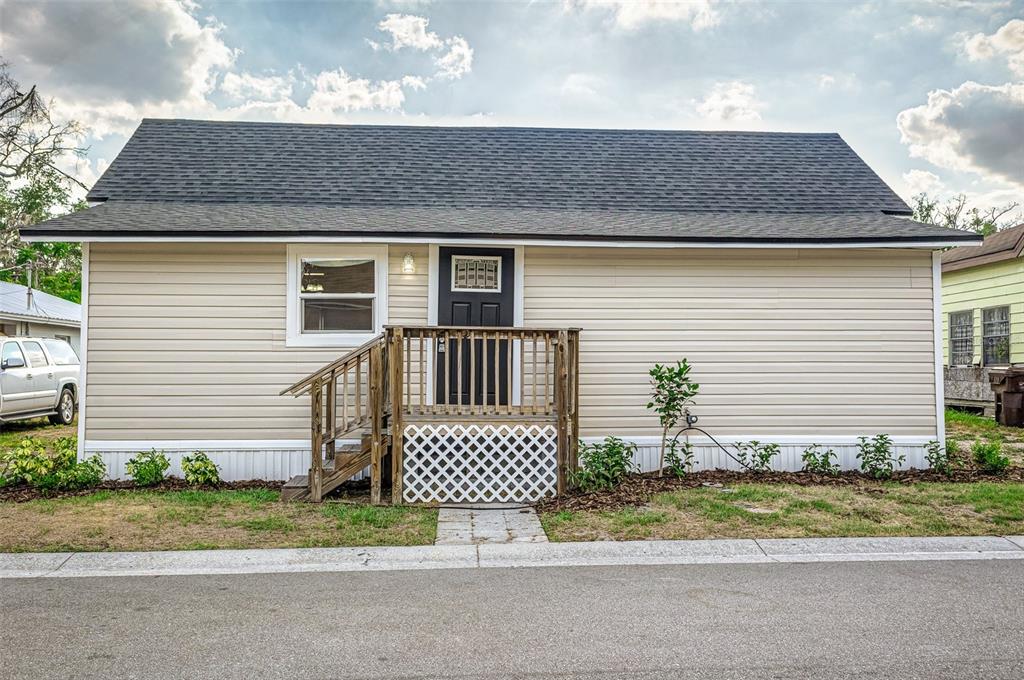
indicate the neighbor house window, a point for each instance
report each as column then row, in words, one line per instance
column 337, row 295
column 961, row 338
column 995, row 335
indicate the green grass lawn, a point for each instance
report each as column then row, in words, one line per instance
column 191, row 520
column 40, row 428
column 791, row 511
column 968, row 426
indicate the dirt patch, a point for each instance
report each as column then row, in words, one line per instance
column 638, row 489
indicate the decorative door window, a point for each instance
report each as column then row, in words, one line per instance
column 481, row 274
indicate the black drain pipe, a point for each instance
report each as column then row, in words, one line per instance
column 691, row 424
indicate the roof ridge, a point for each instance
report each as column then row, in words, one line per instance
column 519, row 128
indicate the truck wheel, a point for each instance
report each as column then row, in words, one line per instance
column 65, row 408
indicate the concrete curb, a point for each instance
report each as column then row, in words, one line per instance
column 598, row 553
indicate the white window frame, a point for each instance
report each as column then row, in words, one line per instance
column 492, row 258
column 306, row 251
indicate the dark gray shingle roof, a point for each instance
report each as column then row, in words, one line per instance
column 238, row 219
column 183, row 177
column 450, row 167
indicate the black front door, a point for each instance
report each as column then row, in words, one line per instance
column 476, row 287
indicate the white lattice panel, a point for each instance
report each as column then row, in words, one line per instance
column 471, row 463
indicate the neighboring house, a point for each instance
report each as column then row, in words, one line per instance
column 33, row 312
column 983, row 315
column 225, row 261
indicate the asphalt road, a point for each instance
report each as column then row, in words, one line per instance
column 962, row 619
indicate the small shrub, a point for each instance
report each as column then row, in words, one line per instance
column 79, row 475
column 755, row 456
column 938, row 457
column 200, row 470
column 603, row 465
column 679, row 458
column 820, row 462
column 31, row 463
column 952, row 447
column 877, row 458
column 148, row 467
column 27, row 463
column 989, row 457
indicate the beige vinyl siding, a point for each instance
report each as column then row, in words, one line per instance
column 783, row 342
column 187, row 341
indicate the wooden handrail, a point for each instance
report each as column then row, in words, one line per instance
column 300, row 388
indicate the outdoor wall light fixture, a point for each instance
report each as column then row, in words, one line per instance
column 408, row 264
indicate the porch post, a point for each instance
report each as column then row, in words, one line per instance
column 316, row 469
column 561, row 409
column 395, row 368
column 376, row 409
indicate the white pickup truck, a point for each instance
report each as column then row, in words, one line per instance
column 38, row 377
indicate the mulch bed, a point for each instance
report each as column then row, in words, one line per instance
column 638, row 489
column 23, row 492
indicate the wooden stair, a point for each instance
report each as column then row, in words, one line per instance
column 349, row 460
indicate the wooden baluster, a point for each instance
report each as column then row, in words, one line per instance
column 458, row 369
column 359, row 390
column 522, row 373
column 316, row 467
column 533, row 373
column 332, row 408
column 472, row 372
column 483, row 373
column 423, row 372
column 447, row 371
column 344, row 398
column 548, row 386
column 508, row 372
column 408, row 374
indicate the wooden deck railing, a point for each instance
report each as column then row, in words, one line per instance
column 419, row 373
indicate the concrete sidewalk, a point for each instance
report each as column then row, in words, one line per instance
column 598, row 553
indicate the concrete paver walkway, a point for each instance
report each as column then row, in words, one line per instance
column 473, row 525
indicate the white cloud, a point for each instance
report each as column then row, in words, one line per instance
column 730, row 101
column 407, row 30
column 457, row 61
column 259, row 88
column 453, row 57
column 580, row 86
column 977, row 128
column 923, row 24
column 922, row 182
column 338, row 91
column 632, row 14
column 1007, row 41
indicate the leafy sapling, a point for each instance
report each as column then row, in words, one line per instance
column 671, row 391
column 200, row 470
column 989, row 457
column 877, row 458
column 603, row 465
column 148, row 468
column 820, row 462
column 679, row 457
column 755, row 456
column 938, row 457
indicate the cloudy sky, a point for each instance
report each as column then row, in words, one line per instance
column 930, row 94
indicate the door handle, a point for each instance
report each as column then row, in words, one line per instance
column 49, row 375
column 28, row 375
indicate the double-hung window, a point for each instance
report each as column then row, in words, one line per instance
column 337, row 295
column 961, row 338
column 995, row 336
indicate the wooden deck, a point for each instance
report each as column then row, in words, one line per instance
column 459, row 413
